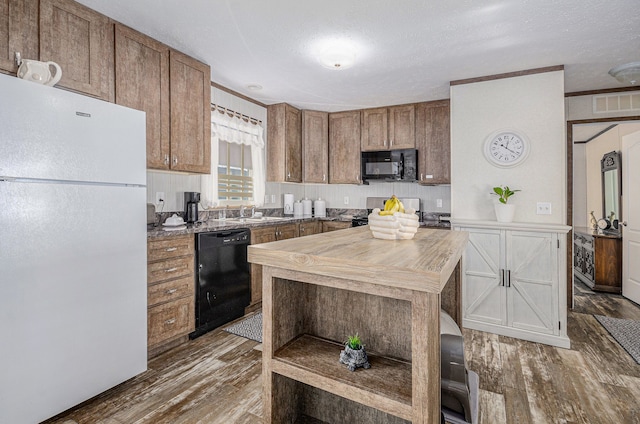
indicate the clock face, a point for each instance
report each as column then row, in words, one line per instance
column 506, row 148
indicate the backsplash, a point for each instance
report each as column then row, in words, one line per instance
column 174, row 185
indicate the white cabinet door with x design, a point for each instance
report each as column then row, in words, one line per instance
column 511, row 284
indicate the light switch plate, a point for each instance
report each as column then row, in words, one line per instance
column 438, row 203
column 543, row 208
column 346, row 200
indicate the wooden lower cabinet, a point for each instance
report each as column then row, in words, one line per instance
column 309, row 228
column 170, row 292
column 335, row 225
column 266, row 235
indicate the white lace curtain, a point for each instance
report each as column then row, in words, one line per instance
column 234, row 130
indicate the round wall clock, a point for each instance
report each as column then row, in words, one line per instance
column 506, row 148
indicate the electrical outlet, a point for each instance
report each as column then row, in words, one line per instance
column 159, row 197
column 438, row 203
column 266, row 199
column 273, row 198
column 346, row 200
column 543, row 208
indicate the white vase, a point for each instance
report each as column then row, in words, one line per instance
column 505, row 212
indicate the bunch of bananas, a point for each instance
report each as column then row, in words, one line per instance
column 392, row 206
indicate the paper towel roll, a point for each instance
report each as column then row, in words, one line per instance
column 288, row 204
column 306, row 208
column 320, row 209
column 297, row 210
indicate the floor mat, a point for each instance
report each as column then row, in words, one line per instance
column 625, row 331
column 249, row 328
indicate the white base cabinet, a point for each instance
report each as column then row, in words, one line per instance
column 514, row 280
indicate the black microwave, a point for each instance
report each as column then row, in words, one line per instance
column 390, row 165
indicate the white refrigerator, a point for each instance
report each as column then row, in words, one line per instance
column 73, row 274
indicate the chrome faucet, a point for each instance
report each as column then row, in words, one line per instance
column 242, row 208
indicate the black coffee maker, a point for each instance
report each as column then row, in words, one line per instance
column 191, row 200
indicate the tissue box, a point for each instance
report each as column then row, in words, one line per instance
column 399, row 226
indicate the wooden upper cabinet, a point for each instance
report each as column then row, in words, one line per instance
column 142, row 83
column 388, row 128
column 375, row 129
column 344, row 147
column 284, row 143
column 315, row 146
column 80, row 40
column 190, row 98
column 402, row 127
column 18, row 32
column 433, row 141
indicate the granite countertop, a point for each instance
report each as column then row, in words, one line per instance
column 229, row 224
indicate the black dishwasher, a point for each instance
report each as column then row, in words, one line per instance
column 224, row 282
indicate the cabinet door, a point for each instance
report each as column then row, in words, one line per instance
column 375, row 129
column 284, row 144
column 483, row 295
column 433, row 141
column 80, row 40
column 344, row 147
column 288, row 231
column 402, row 127
column 259, row 235
column 142, row 83
column 532, row 289
column 334, row 225
column 309, row 228
column 190, row 98
column 315, row 146
column 18, row 32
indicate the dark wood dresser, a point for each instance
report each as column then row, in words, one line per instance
column 597, row 259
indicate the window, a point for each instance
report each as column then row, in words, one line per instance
column 235, row 173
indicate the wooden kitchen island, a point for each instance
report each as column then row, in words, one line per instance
column 319, row 289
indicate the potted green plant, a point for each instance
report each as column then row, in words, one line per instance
column 354, row 355
column 504, row 211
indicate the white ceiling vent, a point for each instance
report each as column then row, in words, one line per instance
column 616, row 102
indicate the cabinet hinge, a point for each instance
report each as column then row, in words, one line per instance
column 559, row 325
column 558, row 243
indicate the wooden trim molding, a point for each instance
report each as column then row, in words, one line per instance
column 235, row 93
column 602, row 91
column 508, row 75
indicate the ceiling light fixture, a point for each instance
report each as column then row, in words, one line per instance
column 254, row 87
column 337, row 54
column 629, row 73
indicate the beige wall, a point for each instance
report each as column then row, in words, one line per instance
column 595, row 149
column 532, row 105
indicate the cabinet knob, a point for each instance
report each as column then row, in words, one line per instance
column 384, row 143
column 170, row 249
column 175, row 160
column 171, row 291
column 174, row 269
column 166, row 159
column 289, row 174
column 324, row 177
column 624, row 223
column 390, row 142
column 170, row 321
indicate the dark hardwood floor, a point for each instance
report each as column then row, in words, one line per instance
column 216, row 378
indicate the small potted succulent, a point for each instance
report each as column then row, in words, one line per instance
column 354, row 355
column 504, row 211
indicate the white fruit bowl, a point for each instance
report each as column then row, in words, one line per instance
column 399, row 226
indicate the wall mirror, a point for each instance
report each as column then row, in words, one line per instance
column 611, row 182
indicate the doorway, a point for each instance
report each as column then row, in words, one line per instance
column 576, row 134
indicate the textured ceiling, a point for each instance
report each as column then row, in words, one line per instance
column 407, row 51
